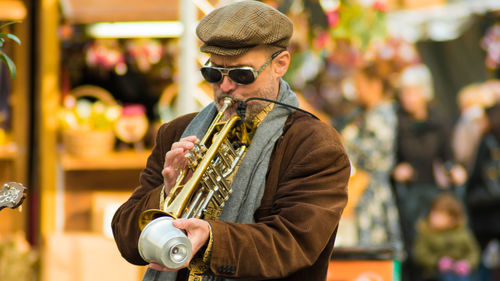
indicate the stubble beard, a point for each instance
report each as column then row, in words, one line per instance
column 253, row 107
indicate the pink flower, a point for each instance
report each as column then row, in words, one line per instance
column 380, row 6
column 333, row 18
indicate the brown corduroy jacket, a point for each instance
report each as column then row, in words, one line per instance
column 296, row 223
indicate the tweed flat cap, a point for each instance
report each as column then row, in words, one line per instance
column 234, row 29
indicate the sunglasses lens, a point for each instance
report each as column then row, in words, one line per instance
column 242, row 76
column 211, row 75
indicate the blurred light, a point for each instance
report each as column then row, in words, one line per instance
column 152, row 29
column 443, row 30
column 204, row 6
column 448, row 28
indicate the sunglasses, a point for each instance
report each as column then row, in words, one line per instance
column 243, row 75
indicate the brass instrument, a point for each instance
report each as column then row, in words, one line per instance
column 212, row 163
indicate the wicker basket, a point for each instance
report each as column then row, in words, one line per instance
column 90, row 143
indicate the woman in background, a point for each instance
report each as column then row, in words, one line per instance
column 370, row 143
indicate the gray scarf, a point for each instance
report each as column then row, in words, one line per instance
column 250, row 179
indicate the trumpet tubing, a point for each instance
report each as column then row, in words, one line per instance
column 212, row 164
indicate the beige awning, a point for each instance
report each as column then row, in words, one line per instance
column 12, row 10
column 92, row 11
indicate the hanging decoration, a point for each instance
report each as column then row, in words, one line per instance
column 360, row 22
column 106, row 54
column 144, row 52
column 331, row 8
column 330, row 32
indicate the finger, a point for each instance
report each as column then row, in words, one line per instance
column 190, row 138
column 181, row 223
column 186, row 143
column 197, row 231
column 158, row 267
column 169, row 176
column 175, row 158
column 175, row 162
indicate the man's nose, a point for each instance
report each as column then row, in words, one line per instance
column 227, row 84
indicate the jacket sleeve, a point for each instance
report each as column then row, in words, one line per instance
column 297, row 225
column 423, row 254
column 472, row 250
column 125, row 223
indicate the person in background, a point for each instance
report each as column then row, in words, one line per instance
column 467, row 131
column 445, row 248
column 483, row 190
column 289, row 191
column 425, row 165
column 370, row 143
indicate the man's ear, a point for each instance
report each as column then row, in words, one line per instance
column 281, row 63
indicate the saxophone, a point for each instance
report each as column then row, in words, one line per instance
column 212, row 164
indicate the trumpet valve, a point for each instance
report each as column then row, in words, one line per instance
column 192, row 160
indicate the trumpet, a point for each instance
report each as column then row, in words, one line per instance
column 212, row 164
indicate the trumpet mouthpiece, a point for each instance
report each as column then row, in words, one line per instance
column 228, row 101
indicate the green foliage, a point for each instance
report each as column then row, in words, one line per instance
column 360, row 24
column 3, row 56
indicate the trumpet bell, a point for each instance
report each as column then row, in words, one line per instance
column 161, row 242
column 149, row 215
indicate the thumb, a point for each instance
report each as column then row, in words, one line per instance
column 181, row 223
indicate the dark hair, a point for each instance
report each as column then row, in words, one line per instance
column 448, row 203
column 380, row 70
column 493, row 114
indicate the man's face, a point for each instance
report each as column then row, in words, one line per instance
column 265, row 86
column 412, row 98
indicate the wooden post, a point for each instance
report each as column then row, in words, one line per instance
column 49, row 94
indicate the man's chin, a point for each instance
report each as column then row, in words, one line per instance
column 228, row 114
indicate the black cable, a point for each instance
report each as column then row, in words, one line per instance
column 242, row 107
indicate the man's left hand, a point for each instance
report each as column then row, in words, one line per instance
column 198, row 233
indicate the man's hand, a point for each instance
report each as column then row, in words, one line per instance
column 175, row 160
column 198, row 233
column 403, row 172
column 197, row 230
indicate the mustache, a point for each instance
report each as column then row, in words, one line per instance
column 221, row 98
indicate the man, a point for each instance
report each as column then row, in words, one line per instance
column 288, row 193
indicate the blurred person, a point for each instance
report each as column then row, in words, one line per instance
column 493, row 85
column 424, row 157
column 483, row 186
column 445, row 248
column 467, row 131
column 425, row 164
column 370, row 143
column 289, row 191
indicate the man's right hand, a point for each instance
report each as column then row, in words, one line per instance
column 175, row 160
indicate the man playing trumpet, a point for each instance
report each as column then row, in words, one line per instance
column 288, row 192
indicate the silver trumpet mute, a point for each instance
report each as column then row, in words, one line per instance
column 163, row 243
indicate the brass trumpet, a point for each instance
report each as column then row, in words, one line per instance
column 212, row 164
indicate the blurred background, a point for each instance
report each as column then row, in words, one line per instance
column 95, row 79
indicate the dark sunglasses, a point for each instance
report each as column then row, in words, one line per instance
column 243, row 75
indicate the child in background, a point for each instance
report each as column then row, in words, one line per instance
column 445, row 248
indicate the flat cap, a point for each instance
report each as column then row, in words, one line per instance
column 234, row 29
